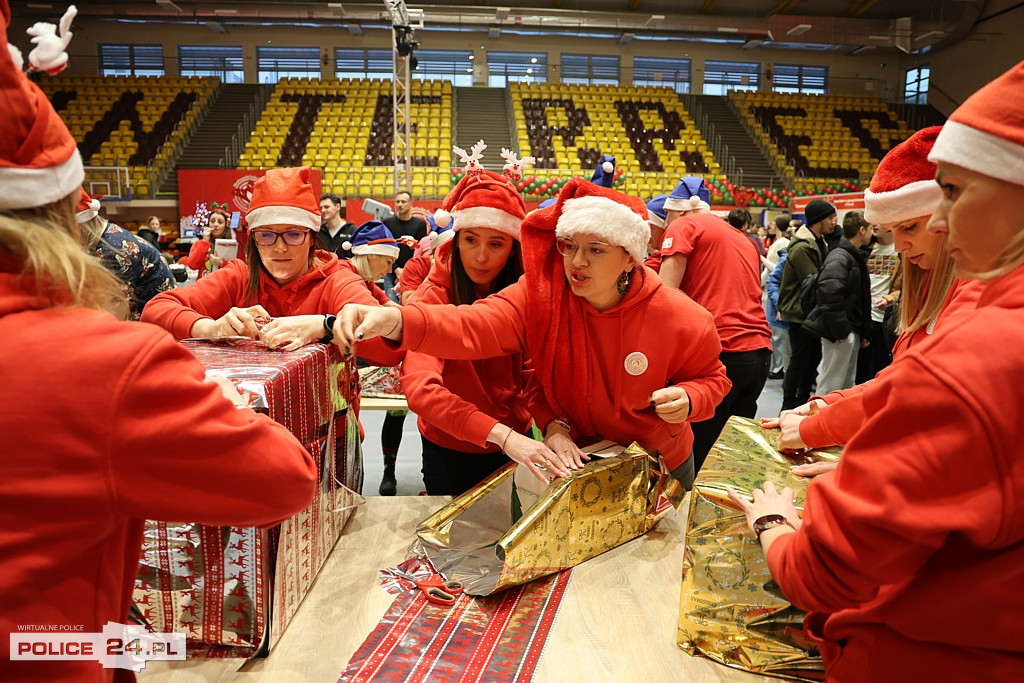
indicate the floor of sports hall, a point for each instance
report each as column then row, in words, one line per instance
column 407, row 471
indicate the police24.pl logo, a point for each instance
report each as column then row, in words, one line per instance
column 120, row 646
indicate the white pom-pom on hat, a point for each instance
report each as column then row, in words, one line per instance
column 346, row 245
column 608, row 167
column 442, row 218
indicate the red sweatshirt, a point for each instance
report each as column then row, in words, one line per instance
column 635, row 330
column 912, row 549
column 723, row 274
column 459, row 401
column 116, row 427
column 325, row 288
column 836, row 424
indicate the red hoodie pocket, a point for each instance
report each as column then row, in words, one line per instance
column 672, row 441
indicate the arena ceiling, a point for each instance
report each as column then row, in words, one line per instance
column 823, row 25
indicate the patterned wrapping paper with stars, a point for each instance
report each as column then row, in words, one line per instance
column 220, row 585
column 731, row 609
column 505, row 532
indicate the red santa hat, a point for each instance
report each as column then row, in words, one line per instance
column 986, row 133
column 284, row 197
column 615, row 217
column 903, row 186
column 39, row 160
column 87, row 208
column 483, row 200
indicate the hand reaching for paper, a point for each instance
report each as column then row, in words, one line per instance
column 291, row 332
column 244, row 322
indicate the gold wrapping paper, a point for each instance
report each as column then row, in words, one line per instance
column 731, row 609
column 507, row 531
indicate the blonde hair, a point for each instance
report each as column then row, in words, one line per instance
column 362, row 264
column 924, row 291
column 47, row 243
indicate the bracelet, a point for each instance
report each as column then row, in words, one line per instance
column 766, row 522
column 560, row 421
column 506, row 439
column 397, row 325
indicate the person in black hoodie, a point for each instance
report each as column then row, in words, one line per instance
column 335, row 231
column 842, row 316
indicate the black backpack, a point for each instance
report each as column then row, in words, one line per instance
column 809, row 293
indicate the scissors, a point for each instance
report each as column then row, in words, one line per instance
column 435, row 589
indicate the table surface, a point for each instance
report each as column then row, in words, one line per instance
column 617, row 620
column 376, row 403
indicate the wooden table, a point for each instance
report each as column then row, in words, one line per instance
column 374, row 403
column 617, row 621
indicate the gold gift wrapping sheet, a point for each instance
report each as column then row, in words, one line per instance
column 510, row 529
column 731, row 609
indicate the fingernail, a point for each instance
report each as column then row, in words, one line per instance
column 359, row 335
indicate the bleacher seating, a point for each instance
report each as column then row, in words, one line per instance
column 646, row 128
column 135, row 121
column 346, row 128
column 821, row 137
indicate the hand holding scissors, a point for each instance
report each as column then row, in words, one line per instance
column 435, row 589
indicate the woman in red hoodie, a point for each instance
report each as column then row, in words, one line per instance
column 617, row 355
column 908, row 556
column 901, row 198
column 200, row 257
column 472, row 414
column 285, row 291
column 105, row 423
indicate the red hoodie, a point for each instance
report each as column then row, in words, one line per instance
column 836, row 424
column 99, row 435
column 324, row 289
column 912, row 550
column 662, row 329
column 459, row 401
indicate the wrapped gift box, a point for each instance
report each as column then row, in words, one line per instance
column 381, row 382
column 233, row 586
column 731, row 609
column 508, row 530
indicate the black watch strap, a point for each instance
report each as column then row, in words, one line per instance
column 328, row 329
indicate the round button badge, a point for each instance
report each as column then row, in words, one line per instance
column 636, row 363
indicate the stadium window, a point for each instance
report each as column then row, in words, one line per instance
column 511, row 67
column 673, row 73
column 444, row 65
column 131, row 60
column 362, row 63
column 223, row 61
column 275, row 63
column 916, row 91
column 721, row 77
column 796, row 78
column 590, row 69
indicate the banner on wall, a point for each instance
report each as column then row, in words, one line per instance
column 853, row 201
column 231, row 186
column 421, row 208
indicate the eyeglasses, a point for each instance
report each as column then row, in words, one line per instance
column 593, row 252
column 268, row 238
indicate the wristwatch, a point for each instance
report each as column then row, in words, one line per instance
column 766, row 522
column 328, row 329
column 560, row 421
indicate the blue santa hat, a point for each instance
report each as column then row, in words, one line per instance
column 439, row 234
column 690, row 194
column 656, row 211
column 547, row 202
column 372, row 237
column 604, row 174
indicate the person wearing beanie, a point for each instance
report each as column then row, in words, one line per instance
column 139, row 267
column 594, row 322
column 715, row 264
column 199, row 256
column 85, row 459
column 474, row 415
column 285, row 292
column 901, row 198
column 927, row 495
column 806, row 251
column 842, row 316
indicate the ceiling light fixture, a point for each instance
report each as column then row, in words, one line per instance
column 798, row 30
